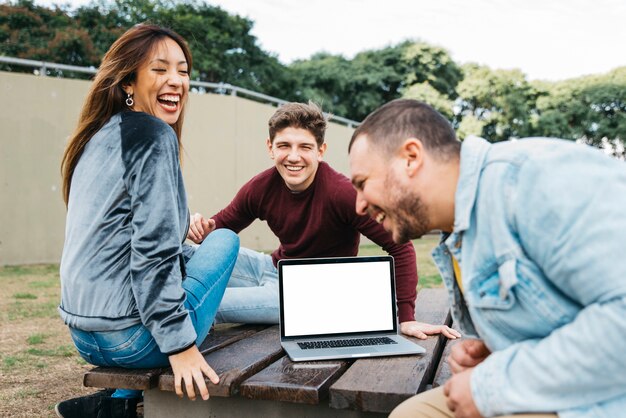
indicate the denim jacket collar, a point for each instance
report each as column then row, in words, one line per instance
column 473, row 153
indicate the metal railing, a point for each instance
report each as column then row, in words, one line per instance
column 41, row 68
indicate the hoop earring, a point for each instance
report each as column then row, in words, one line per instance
column 129, row 100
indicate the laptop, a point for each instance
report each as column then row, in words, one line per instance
column 332, row 308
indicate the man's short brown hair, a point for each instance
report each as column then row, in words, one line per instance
column 389, row 125
column 299, row 115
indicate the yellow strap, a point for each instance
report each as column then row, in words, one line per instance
column 457, row 272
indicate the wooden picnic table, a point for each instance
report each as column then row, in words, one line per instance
column 258, row 379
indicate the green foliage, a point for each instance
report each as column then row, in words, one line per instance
column 353, row 88
column 494, row 104
column 432, row 65
column 323, row 78
column 591, row 108
column 223, row 48
column 499, row 103
column 35, row 32
column 427, row 93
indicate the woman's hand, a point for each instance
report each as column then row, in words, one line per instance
column 199, row 228
column 190, row 366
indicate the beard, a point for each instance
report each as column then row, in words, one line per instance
column 408, row 212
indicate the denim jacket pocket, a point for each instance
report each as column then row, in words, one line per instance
column 494, row 290
column 515, row 303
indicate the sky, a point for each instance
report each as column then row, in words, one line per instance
column 546, row 39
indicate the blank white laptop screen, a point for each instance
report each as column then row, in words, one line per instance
column 337, row 298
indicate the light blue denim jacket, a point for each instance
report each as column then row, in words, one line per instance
column 539, row 232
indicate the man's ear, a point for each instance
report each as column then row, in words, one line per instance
column 268, row 143
column 412, row 152
column 322, row 150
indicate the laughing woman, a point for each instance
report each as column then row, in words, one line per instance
column 128, row 296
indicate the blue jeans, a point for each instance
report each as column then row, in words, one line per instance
column 251, row 296
column 208, row 272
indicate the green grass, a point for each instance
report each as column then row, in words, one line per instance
column 10, row 361
column 32, row 309
column 36, row 339
column 428, row 274
column 54, row 282
column 15, row 362
column 24, row 296
column 60, row 351
column 29, row 270
column 35, row 357
column 26, row 393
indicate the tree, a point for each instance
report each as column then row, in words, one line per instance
column 34, row 32
column 221, row 44
column 324, row 79
column 356, row 87
column 427, row 94
column 495, row 104
column 591, row 109
column 433, row 65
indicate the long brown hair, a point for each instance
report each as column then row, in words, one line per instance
column 106, row 96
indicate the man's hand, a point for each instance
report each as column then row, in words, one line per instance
column 422, row 330
column 189, row 366
column 199, row 228
column 459, row 395
column 466, row 354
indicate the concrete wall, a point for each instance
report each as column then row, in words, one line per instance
column 223, row 137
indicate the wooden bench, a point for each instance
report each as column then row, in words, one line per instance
column 257, row 379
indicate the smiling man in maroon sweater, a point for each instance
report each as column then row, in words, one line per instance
column 310, row 207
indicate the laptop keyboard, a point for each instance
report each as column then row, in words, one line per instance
column 355, row 342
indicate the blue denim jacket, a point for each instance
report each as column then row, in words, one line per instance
column 539, row 233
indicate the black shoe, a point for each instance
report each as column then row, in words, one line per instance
column 98, row 405
column 118, row 408
column 83, row 406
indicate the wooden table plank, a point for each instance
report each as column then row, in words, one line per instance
column 226, row 334
column 144, row 379
column 236, row 362
column 380, row 384
column 443, row 372
column 120, row 378
column 158, row 404
column 298, row 382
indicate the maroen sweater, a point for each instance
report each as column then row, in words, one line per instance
column 319, row 222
